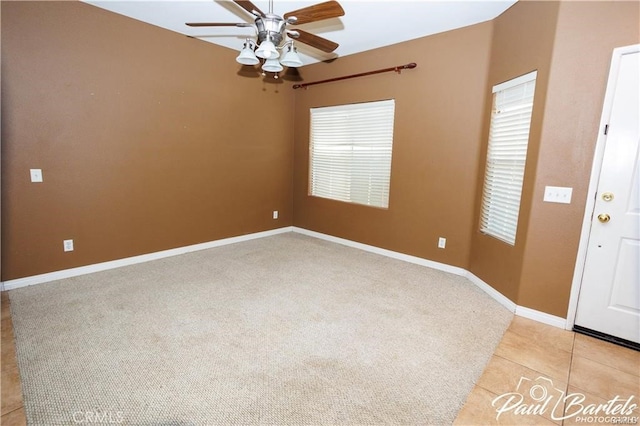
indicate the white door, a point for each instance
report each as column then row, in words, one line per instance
column 609, row 299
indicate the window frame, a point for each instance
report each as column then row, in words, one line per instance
column 506, row 158
column 350, row 152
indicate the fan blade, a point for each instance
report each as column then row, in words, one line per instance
column 317, row 12
column 314, row 41
column 218, row 24
column 248, row 6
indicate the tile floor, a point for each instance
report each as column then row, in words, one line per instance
column 589, row 371
column 531, row 359
column 11, row 400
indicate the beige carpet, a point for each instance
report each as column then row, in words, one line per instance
column 284, row 330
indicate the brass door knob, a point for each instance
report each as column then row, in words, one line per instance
column 604, row 218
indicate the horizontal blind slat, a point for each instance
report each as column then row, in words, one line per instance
column 506, row 159
column 350, row 152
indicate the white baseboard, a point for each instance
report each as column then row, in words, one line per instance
column 384, row 252
column 495, row 294
column 97, row 267
column 542, row 317
column 492, row 292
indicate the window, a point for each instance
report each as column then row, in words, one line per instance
column 350, row 152
column 506, row 157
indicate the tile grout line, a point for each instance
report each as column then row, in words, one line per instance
column 597, row 361
column 566, row 391
column 539, row 372
column 9, row 412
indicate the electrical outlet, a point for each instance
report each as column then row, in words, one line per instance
column 275, row 214
column 67, row 245
column 442, row 242
column 557, row 194
column 36, row 175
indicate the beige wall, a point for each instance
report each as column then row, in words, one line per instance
column 437, row 169
column 145, row 140
column 438, row 125
column 144, row 137
column 586, row 34
column 522, row 42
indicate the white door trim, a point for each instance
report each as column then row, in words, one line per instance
column 593, row 181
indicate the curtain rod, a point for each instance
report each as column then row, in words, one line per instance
column 397, row 69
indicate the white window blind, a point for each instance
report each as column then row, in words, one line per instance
column 350, row 152
column 506, row 157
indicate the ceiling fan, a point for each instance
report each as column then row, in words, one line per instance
column 272, row 33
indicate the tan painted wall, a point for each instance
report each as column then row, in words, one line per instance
column 586, row 34
column 145, row 138
column 522, row 42
column 433, row 192
column 438, row 124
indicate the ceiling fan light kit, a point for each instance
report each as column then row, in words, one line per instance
column 272, row 65
column 267, row 50
column 291, row 58
column 246, row 56
column 272, row 34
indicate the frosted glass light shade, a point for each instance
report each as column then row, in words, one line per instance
column 267, row 50
column 272, row 65
column 247, row 57
column 291, row 58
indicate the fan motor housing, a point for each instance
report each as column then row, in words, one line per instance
column 271, row 26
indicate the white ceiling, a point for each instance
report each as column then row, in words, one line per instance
column 366, row 25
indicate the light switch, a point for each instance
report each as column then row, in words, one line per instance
column 557, row 194
column 36, row 175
